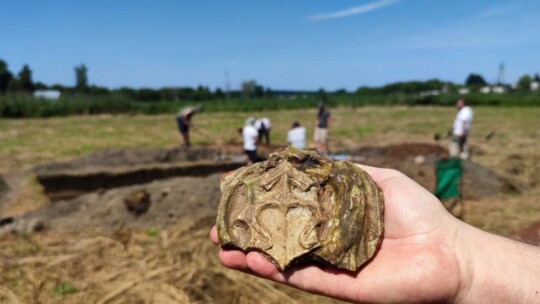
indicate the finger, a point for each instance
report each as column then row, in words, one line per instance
column 262, row 267
column 234, row 259
column 214, row 235
column 380, row 174
column 313, row 279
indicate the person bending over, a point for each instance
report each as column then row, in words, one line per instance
column 183, row 119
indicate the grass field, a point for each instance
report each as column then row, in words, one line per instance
column 84, row 267
column 28, row 142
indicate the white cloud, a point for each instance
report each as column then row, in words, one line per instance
column 357, row 10
column 491, row 28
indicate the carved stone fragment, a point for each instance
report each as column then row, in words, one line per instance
column 301, row 206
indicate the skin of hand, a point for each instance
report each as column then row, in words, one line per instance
column 426, row 255
column 416, row 261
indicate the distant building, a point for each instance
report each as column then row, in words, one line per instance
column 463, row 91
column 535, row 85
column 500, row 89
column 485, row 90
column 47, row 94
column 497, row 89
column 430, row 93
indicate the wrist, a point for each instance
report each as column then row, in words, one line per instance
column 494, row 269
column 463, row 238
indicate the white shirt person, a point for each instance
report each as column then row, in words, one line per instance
column 296, row 136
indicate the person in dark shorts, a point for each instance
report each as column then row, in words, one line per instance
column 461, row 129
column 322, row 126
column 250, row 135
column 263, row 125
column 183, row 119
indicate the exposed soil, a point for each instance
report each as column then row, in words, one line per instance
column 92, row 191
column 4, row 189
column 171, row 200
column 417, row 161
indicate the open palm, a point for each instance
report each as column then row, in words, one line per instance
column 416, row 261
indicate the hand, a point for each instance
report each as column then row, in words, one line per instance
column 417, row 260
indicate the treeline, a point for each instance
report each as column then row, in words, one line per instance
column 21, row 107
column 21, row 84
column 17, row 100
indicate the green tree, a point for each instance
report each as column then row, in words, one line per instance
column 258, row 91
column 341, row 92
column 475, row 80
column 148, row 94
column 126, row 92
column 268, row 92
column 5, row 77
column 98, row 91
column 536, row 78
column 202, row 93
column 524, row 83
column 81, row 79
column 59, row 87
column 322, row 95
column 24, row 80
column 40, row 86
column 368, row 91
column 219, row 94
column 248, row 88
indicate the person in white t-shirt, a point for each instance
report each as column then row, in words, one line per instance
column 461, row 129
column 263, row 125
column 296, row 136
column 250, row 135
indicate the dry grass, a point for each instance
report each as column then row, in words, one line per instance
column 178, row 264
column 175, row 265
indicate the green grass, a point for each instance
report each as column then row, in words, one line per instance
column 64, row 288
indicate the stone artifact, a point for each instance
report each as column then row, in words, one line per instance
column 301, row 206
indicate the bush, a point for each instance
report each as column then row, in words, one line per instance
column 21, row 106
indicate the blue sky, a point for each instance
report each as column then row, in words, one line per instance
column 281, row 44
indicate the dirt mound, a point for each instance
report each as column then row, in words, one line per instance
column 119, row 168
column 119, row 158
column 398, row 152
column 170, row 201
column 417, row 160
column 524, row 167
column 4, row 189
column 408, row 150
column 129, row 158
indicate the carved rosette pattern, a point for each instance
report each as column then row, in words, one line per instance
column 299, row 205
